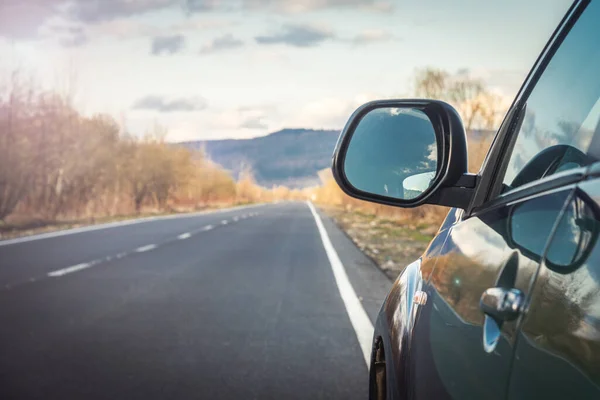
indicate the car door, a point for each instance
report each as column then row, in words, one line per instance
column 459, row 351
column 558, row 350
column 480, row 286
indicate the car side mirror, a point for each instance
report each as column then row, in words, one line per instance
column 404, row 153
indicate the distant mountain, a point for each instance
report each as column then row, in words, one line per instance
column 290, row 157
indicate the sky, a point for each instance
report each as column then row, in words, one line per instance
column 211, row 69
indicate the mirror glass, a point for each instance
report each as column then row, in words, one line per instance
column 573, row 236
column 393, row 152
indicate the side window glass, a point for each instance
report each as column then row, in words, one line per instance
column 561, row 115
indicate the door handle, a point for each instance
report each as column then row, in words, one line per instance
column 499, row 305
column 502, row 304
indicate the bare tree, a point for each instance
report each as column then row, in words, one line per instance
column 57, row 163
column 16, row 169
column 479, row 108
column 431, row 83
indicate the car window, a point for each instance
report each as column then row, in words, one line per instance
column 560, row 117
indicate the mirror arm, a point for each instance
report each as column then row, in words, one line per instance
column 459, row 195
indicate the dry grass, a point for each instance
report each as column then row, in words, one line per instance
column 390, row 244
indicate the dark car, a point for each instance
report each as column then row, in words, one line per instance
column 505, row 302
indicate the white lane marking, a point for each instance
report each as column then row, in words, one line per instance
column 141, row 249
column 235, row 219
column 90, row 228
column 145, row 248
column 358, row 317
column 74, row 268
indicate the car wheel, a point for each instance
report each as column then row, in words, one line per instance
column 377, row 384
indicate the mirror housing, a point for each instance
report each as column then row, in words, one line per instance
column 451, row 186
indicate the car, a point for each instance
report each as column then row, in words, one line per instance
column 505, row 301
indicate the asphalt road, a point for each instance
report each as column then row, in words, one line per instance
column 235, row 304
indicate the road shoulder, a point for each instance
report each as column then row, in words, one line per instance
column 369, row 282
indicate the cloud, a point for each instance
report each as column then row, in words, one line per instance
column 221, row 43
column 241, row 121
column 94, row 11
column 297, row 36
column 161, row 104
column 193, row 6
column 167, row 44
column 329, row 112
column 133, row 28
column 23, row 19
column 372, row 36
column 125, row 29
column 302, row 6
column 73, row 36
column 203, row 23
column 254, row 123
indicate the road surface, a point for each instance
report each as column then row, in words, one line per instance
column 244, row 303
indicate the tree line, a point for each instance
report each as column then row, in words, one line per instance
column 57, row 163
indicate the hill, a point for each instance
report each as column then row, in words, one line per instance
column 290, row 157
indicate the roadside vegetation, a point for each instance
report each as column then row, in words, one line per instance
column 393, row 237
column 59, row 168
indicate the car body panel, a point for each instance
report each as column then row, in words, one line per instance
column 436, row 348
column 398, row 313
column 558, row 352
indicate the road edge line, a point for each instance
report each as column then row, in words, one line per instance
column 363, row 328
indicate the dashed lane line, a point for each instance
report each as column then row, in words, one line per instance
column 141, row 249
column 72, row 269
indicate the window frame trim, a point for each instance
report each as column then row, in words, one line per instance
column 488, row 191
column 536, row 188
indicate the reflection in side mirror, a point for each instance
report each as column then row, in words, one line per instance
column 393, row 152
column 573, row 238
column 415, row 185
